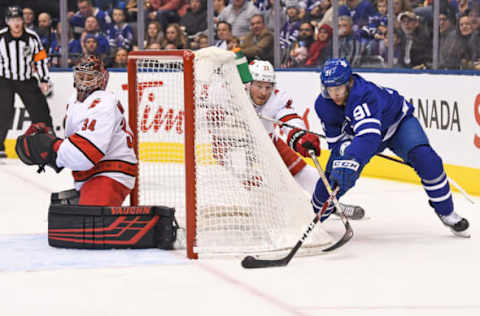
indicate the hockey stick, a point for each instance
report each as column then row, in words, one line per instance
column 349, row 232
column 455, row 184
column 251, row 262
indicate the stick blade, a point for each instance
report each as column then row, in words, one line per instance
column 346, row 237
column 250, row 262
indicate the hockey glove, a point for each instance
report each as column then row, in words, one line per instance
column 302, row 142
column 345, row 172
column 38, row 128
column 38, row 149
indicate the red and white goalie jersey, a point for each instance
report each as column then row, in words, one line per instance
column 280, row 107
column 98, row 141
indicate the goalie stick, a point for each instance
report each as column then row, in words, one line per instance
column 455, row 184
column 251, row 262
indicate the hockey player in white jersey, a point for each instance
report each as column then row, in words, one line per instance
column 273, row 103
column 98, row 144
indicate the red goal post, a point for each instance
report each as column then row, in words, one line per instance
column 187, row 57
column 203, row 150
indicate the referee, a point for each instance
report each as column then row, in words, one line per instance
column 21, row 53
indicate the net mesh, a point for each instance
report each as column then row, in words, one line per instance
column 247, row 201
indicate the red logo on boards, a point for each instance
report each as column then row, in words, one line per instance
column 161, row 116
column 476, row 109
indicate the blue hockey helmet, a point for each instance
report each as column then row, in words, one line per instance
column 336, row 71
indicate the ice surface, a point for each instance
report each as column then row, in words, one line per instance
column 401, row 261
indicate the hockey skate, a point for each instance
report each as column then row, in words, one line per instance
column 353, row 212
column 457, row 224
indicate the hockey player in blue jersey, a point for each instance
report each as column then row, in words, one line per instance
column 361, row 119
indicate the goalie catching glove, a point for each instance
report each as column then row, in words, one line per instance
column 302, row 141
column 38, row 146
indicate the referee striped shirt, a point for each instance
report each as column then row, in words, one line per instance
column 20, row 57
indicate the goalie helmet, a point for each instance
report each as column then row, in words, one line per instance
column 262, row 70
column 88, row 76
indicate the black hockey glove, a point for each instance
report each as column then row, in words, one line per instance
column 38, row 149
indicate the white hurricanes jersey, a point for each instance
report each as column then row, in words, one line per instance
column 98, row 140
column 280, row 107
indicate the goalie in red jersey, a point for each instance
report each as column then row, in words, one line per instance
column 98, row 144
column 276, row 104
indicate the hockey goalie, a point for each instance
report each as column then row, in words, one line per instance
column 98, row 143
column 98, row 148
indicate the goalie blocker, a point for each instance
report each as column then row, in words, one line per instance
column 107, row 227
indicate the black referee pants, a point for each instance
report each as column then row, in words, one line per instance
column 33, row 99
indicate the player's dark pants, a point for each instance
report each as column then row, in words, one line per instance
column 33, row 99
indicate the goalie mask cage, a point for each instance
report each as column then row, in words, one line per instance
column 203, row 151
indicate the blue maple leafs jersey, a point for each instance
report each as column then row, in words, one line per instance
column 371, row 116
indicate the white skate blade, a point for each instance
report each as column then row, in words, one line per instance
column 464, row 234
column 337, row 218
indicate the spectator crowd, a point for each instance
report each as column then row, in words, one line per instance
column 108, row 29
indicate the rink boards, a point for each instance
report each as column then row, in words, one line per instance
column 447, row 106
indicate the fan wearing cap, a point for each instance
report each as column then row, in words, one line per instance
column 98, row 144
column 321, row 49
column 90, row 44
column 361, row 119
column 291, row 29
column 418, row 45
column 92, row 28
column 273, row 103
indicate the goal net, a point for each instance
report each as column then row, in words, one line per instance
column 203, row 150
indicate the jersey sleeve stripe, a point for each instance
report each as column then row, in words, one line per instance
column 107, row 166
column 87, row 148
column 289, row 117
column 369, row 131
column 365, row 121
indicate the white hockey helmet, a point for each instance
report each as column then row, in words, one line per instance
column 262, row 70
